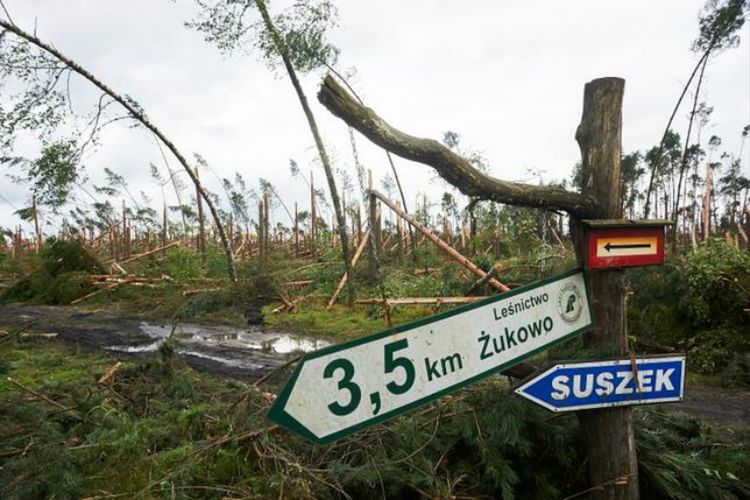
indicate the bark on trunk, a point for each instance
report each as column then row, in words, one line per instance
column 37, row 230
column 646, row 209
column 137, row 114
column 451, row 167
column 683, row 162
column 201, row 225
column 613, row 468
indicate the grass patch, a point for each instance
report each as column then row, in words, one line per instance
column 341, row 322
column 164, row 430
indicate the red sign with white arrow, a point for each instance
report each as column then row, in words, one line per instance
column 624, row 247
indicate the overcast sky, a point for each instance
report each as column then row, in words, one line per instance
column 508, row 76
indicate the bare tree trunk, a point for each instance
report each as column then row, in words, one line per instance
column 683, row 162
column 374, row 239
column 451, row 167
column 137, row 114
column 313, row 216
column 610, row 441
column 296, row 231
column 125, row 232
column 37, row 231
column 707, row 203
column 164, row 229
column 283, row 52
column 266, row 228
column 669, row 124
column 201, row 225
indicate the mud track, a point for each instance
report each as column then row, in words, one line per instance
column 238, row 353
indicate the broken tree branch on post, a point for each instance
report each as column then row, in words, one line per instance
column 454, row 169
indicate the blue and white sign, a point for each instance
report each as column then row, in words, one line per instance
column 598, row 384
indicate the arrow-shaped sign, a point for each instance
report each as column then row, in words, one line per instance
column 597, row 384
column 345, row 388
column 610, row 246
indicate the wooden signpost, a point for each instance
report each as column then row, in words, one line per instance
column 348, row 387
column 624, row 243
column 608, row 432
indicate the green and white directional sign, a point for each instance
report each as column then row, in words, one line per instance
column 345, row 388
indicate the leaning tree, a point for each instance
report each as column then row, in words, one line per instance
column 25, row 63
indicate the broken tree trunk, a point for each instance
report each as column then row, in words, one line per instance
column 440, row 243
column 103, row 289
column 125, row 232
column 150, row 252
column 164, row 229
column 374, row 239
column 707, row 203
column 454, row 169
column 296, row 231
column 345, row 277
column 201, row 224
column 37, row 230
column 610, row 441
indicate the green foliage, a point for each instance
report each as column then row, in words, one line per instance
column 678, row 458
column 59, row 275
column 182, row 264
column 302, row 29
column 718, row 279
column 54, row 173
column 40, row 107
column 719, row 25
column 695, row 304
column 155, row 432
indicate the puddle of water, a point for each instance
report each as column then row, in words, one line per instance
column 224, row 336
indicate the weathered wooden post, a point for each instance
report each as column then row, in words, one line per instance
column 610, row 443
column 609, row 432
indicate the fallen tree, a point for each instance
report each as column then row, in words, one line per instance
column 455, row 170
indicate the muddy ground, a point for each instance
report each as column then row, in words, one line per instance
column 247, row 354
column 222, row 350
